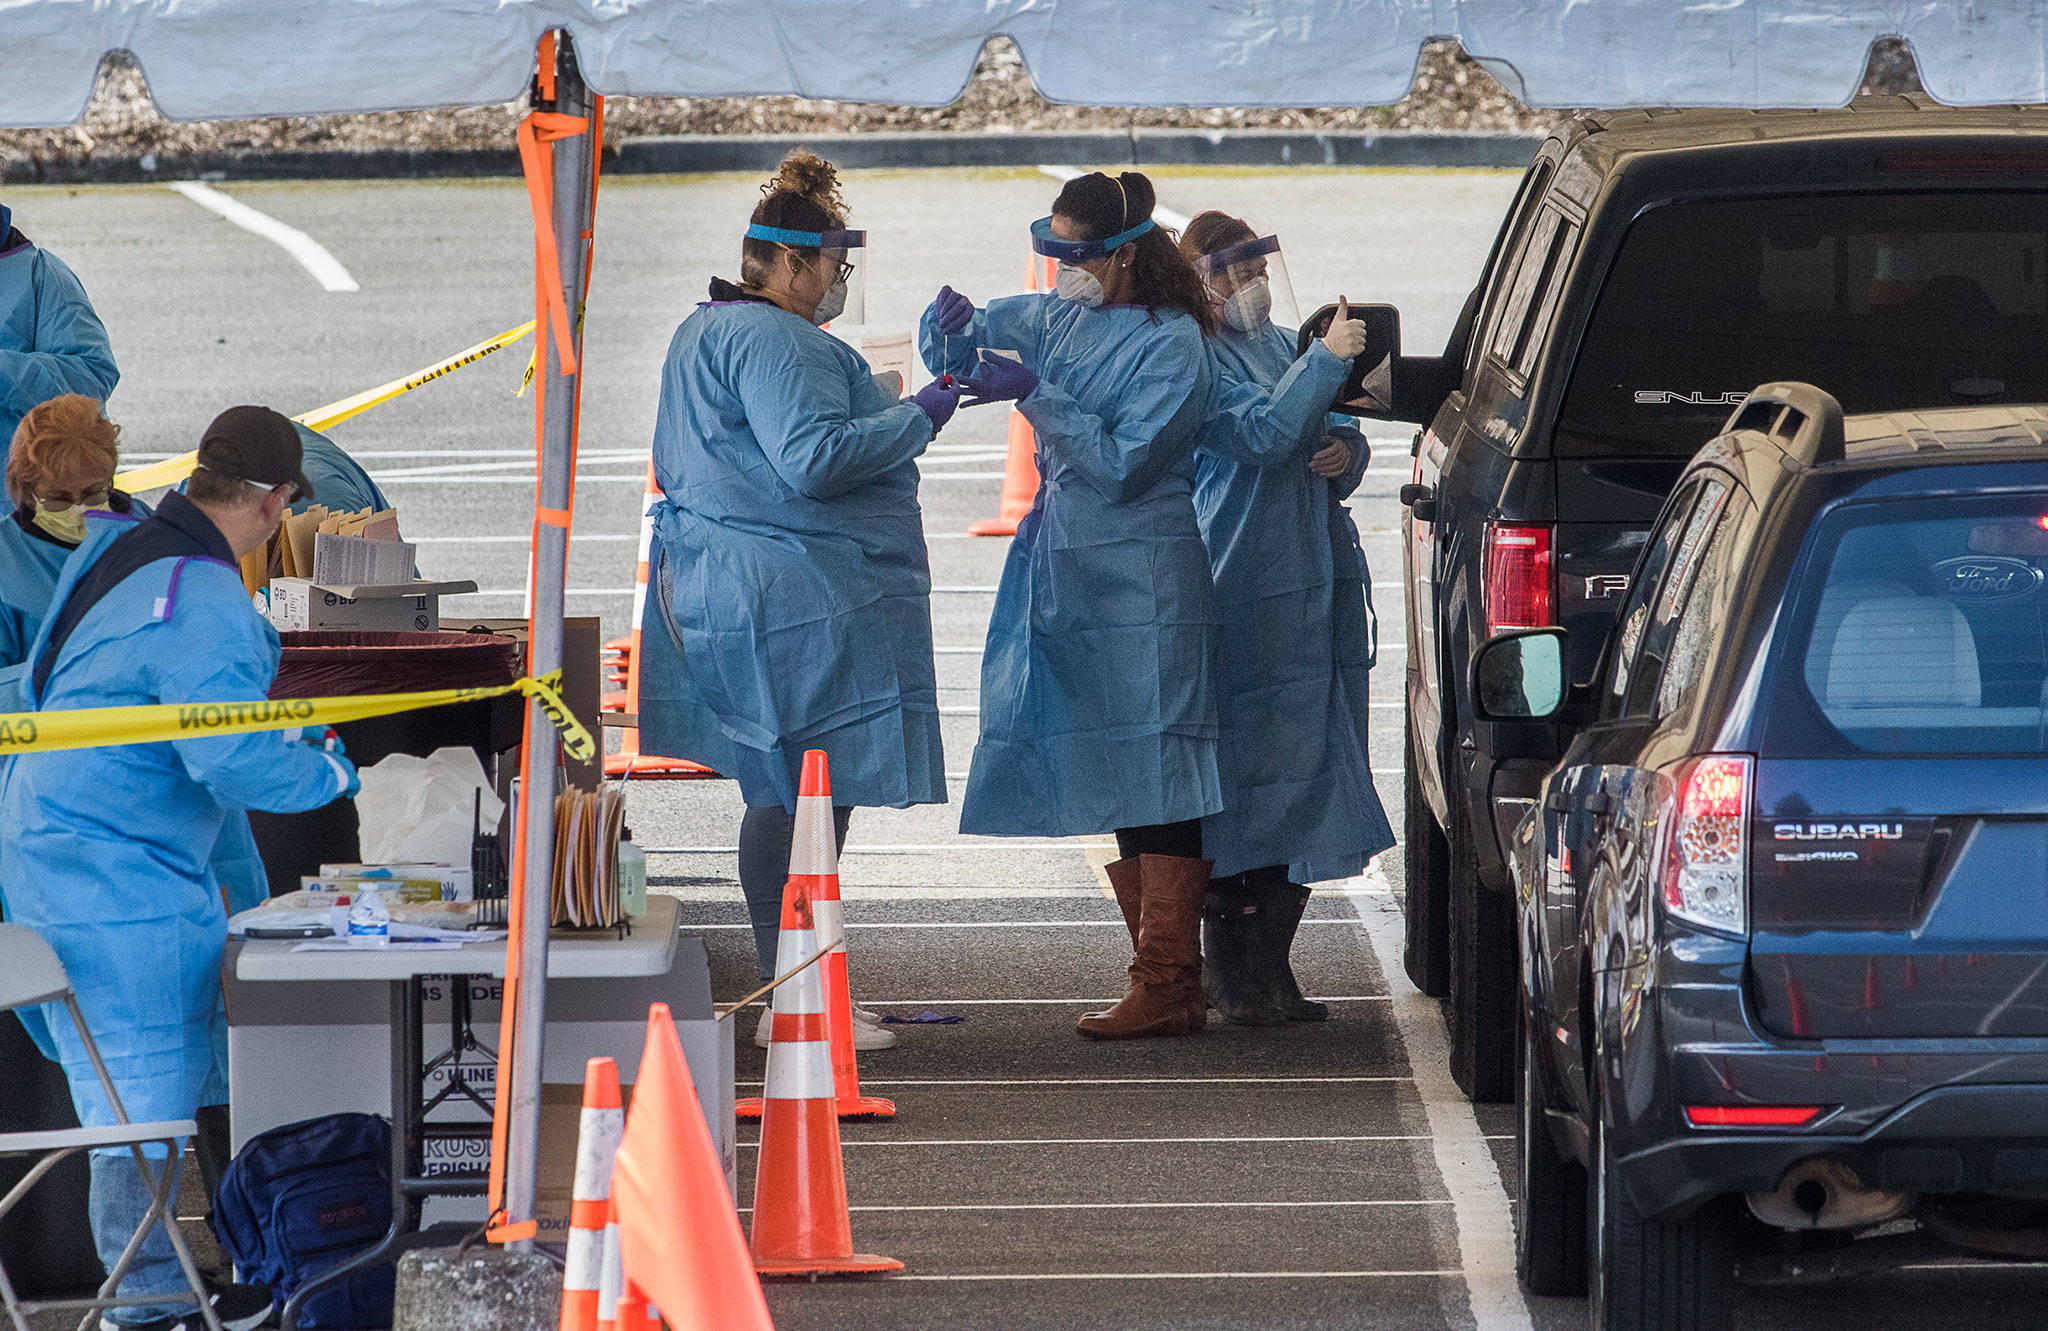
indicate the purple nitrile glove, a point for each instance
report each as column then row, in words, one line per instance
column 938, row 399
column 952, row 311
column 999, row 379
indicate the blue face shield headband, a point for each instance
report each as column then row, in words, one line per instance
column 816, row 240
column 1081, row 251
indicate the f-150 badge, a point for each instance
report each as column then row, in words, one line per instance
column 1606, row 586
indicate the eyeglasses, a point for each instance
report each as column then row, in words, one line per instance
column 89, row 499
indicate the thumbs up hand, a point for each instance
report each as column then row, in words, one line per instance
column 1346, row 337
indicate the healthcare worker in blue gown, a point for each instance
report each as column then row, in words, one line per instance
column 51, row 341
column 339, row 481
column 792, row 588
column 1097, row 711
column 60, row 472
column 104, row 852
column 1296, row 648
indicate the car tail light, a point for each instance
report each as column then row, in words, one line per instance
column 1751, row 1116
column 1517, row 578
column 1706, row 848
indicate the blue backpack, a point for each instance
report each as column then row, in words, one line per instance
column 305, row 1197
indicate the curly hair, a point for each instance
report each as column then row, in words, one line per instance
column 803, row 196
column 66, row 443
column 1161, row 277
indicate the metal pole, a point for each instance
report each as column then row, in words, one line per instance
column 573, row 160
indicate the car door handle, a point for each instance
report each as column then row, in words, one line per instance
column 1558, row 802
column 1598, row 803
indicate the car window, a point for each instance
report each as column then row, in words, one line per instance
column 1514, row 243
column 1557, row 263
column 1642, row 637
column 1521, row 289
column 1649, row 571
column 1703, row 616
column 1919, row 626
column 1891, row 302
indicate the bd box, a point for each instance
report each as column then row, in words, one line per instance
column 300, row 604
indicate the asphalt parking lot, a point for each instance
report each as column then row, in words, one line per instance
column 1316, row 1176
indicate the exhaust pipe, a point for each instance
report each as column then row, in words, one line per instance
column 1823, row 1192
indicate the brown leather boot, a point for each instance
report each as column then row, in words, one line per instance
column 1167, row 970
column 1123, row 880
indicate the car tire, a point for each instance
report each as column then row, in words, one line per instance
column 1654, row 1274
column 1425, row 858
column 1485, row 979
column 1550, row 1191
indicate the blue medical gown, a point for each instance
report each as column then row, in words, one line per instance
column 1296, row 648
column 339, row 481
column 51, row 342
column 792, row 601
column 29, row 568
column 1096, row 704
column 104, row 852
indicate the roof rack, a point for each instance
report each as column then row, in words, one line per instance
column 1804, row 422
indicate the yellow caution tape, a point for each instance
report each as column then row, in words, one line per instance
column 172, row 470
column 100, row 727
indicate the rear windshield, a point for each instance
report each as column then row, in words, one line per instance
column 1919, row 626
column 1887, row 301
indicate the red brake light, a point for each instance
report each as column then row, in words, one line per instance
column 1751, row 1116
column 1706, row 859
column 1517, row 578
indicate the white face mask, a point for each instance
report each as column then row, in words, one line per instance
column 1248, row 308
column 832, row 306
column 1078, row 285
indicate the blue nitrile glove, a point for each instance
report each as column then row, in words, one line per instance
column 952, row 311
column 938, row 399
column 354, row 785
column 323, row 737
column 999, row 379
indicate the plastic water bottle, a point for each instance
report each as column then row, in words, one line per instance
column 369, row 921
column 632, row 878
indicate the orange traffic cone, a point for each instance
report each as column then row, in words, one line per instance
column 629, row 761
column 814, row 864
column 618, row 1310
column 679, row 1237
column 1020, row 460
column 597, row 1141
column 801, row 1225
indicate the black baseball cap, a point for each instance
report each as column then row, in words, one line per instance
column 256, row 444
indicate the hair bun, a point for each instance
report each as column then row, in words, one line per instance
column 809, row 176
column 1138, row 193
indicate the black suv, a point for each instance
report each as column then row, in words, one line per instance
column 1654, row 267
column 1783, row 906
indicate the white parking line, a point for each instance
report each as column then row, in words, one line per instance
column 310, row 253
column 1479, row 1207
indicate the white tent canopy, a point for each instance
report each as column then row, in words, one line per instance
column 233, row 59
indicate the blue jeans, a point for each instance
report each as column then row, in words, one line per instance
column 119, row 1201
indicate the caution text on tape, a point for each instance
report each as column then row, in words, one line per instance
column 100, row 727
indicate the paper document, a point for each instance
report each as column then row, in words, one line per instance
column 351, row 561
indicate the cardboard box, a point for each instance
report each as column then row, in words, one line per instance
column 298, row 604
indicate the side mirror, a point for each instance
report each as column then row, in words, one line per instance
column 1520, row 676
column 1369, row 389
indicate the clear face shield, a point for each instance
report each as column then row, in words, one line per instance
column 830, row 267
column 1249, row 284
